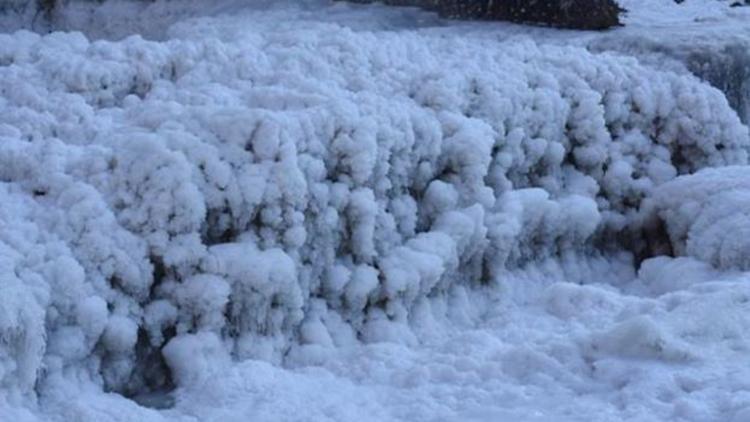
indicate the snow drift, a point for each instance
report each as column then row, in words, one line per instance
column 707, row 215
column 236, row 193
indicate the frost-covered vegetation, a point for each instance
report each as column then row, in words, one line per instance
column 278, row 193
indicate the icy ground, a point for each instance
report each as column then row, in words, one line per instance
column 294, row 211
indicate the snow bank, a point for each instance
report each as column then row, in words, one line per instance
column 707, row 215
column 244, row 190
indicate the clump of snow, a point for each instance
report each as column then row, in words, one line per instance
column 662, row 274
column 637, row 337
column 706, row 215
column 195, row 357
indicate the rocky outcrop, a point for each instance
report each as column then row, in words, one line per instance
column 573, row 14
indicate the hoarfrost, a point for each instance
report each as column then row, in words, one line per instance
column 240, row 193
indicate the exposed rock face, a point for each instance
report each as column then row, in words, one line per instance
column 574, row 14
column 732, row 3
column 580, row 14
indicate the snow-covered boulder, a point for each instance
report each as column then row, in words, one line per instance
column 707, row 215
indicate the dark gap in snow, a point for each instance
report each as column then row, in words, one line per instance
column 160, row 399
column 657, row 241
column 151, row 383
column 649, row 241
column 160, row 272
column 218, row 227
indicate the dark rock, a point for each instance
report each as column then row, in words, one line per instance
column 573, row 14
column 576, row 14
column 734, row 3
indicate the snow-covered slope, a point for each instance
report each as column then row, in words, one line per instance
column 285, row 218
column 707, row 38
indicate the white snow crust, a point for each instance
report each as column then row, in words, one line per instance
column 273, row 215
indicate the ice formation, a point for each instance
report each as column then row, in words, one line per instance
column 707, row 215
column 261, row 187
column 235, row 193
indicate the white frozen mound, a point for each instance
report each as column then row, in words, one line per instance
column 243, row 190
column 708, row 215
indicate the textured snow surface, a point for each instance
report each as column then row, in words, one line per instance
column 267, row 217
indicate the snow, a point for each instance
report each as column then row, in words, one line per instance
column 705, row 214
column 303, row 214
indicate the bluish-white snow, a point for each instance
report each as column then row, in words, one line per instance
column 297, row 211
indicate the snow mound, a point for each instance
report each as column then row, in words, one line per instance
column 707, row 215
column 244, row 191
column 662, row 274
